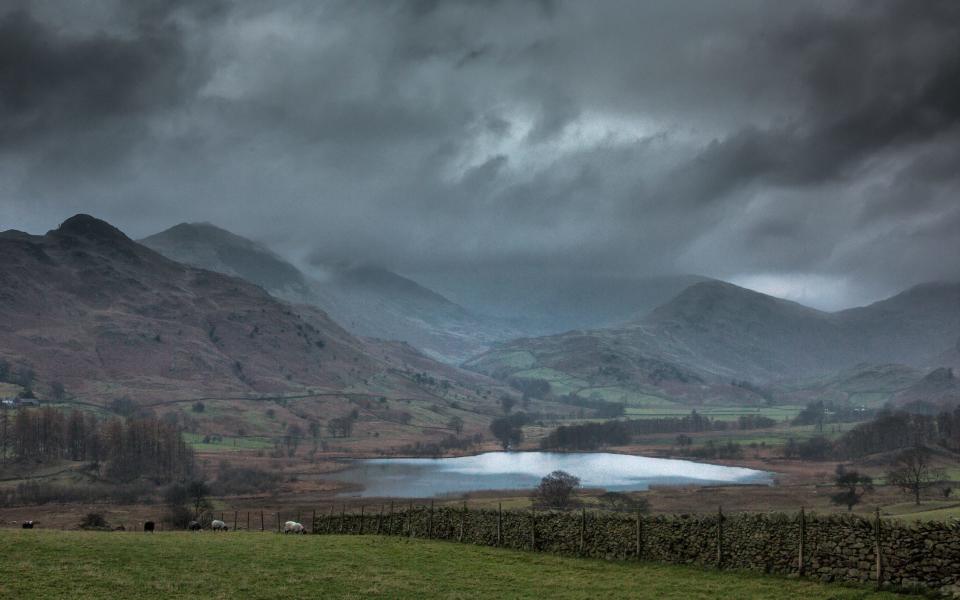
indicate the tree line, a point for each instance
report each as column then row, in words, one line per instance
column 122, row 449
column 894, row 430
column 589, row 436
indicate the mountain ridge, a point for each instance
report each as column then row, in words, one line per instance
column 719, row 332
column 368, row 300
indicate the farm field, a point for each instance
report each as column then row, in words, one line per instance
column 56, row 564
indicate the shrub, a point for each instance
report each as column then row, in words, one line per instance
column 555, row 490
column 94, row 520
column 234, row 479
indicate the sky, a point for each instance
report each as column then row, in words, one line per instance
column 805, row 149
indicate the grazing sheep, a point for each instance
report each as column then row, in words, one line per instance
column 194, row 526
column 27, row 525
column 149, row 526
column 219, row 525
column 294, row 527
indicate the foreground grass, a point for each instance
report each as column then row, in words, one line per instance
column 73, row 564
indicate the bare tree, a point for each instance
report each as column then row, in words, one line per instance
column 913, row 472
column 456, row 424
column 58, row 393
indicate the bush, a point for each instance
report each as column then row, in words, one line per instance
column 233, row 480
column 94, row 520
column 555, row 490
column 622, row 502
column 37, row 493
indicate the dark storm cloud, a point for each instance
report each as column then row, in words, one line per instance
column 54, row 83
column 760, row 141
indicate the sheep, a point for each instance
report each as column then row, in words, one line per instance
column 27, row 525
column 218, row 525
column 194, row 526
column 149, row 526
column 294, row 527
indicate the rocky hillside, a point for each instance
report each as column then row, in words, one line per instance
column 87, row 307
column 367, row 300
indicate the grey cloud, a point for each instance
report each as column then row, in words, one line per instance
column 726, row 139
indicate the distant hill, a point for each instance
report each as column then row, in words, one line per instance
column 718, row 333
column 937, row 390
column 367, row 300
column 543, row 303
column 86, row 306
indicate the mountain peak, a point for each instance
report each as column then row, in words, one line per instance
column 716, row 297
column 89, row 227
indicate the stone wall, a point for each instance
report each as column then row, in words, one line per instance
column 829, row 548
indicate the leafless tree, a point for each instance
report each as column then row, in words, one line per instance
column 913, row 472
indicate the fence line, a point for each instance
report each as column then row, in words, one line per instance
column 850, row 548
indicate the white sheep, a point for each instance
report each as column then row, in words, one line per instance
column 218, row 525
column 294, row 527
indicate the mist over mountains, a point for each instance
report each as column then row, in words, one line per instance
column 368, row 300
column 86, row 304
column 716, row 339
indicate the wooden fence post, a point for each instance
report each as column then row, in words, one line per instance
column 583, row 528
column 877, row 549
column 261, row 521
column 639, row 535
column 361, row 520
column 278, row 522
column 380, row 520
column 533, row 529
column 430, row 522
column 390, row 520
column 313, row 521
column 499, row 523
column 719, row 537
column 234, row 520
column 803, row 541
column 343, row 509
column 248, row 520
column 410, row 519
column 463, row 518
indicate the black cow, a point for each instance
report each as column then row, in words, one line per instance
column 27, row 525
column 149, row 526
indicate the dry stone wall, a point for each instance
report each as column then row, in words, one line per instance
column 829, row 548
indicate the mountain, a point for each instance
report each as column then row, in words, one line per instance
column 209, row 247
column 718, row 333
column 367, row 300
column 107, row 317
column 862, row 385
column 937, row 390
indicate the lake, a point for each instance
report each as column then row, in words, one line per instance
column 425, row 477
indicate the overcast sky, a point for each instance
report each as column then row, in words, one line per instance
column 807, row 149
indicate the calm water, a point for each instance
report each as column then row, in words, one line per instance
column 424, row 477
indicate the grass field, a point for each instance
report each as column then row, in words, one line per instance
column 55, row 564
column 228, row 443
